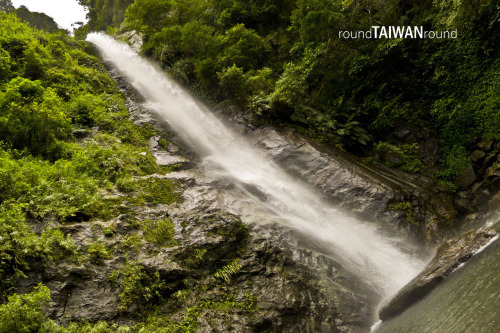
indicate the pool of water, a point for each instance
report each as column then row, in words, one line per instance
column 468, row 301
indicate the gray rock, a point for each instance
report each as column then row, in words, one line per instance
column 165, row 159
column 401, row 133
column 488, row 161
column 134, row 38
column 450, row 256
column 466, row 178
column 173, row 148
column 493, row 171
column 477, row 155
column 494, row 202
column 485, row 145
column 363, row 190
column 154, row 142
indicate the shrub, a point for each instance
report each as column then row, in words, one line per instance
column 32, row 117
column 139, row 286
column 159, row 232
column 98, row 251
column 23, row 313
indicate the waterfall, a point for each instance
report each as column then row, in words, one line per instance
column 364, row 251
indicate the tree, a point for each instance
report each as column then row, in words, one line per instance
column 39, row 21
column 148, row 14
column 6, row 6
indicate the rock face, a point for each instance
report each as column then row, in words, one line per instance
column 480, row 182
column 356, row 187
column 466, row 178
column 238, row 277
column 294, row 289
column 451, row 255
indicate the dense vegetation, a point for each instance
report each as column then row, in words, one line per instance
column 68, row 153
column 39, row 21
column 285, row 63
column 70, row 156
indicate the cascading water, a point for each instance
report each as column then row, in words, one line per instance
column 364, row 251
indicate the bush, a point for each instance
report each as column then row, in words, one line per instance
column 403, row 156
column 32, row 117
column 160, row 232
column 139, row 286
column 97, row 251
column 23, row 313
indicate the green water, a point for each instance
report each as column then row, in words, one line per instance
column 468, row 301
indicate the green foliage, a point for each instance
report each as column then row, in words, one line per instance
column 32, row 117
column 19, row 244
column 159, row 232
column 113, row 278
column 403, row 156
column 139, row 286
column 233, row 83
column 132, row 242
column 456, row 160
column 195, row 257
column 107, row 159
column 148, row 14
column 158, row 191
column 56, row 190
column 6, row 5
column 406, row 208
column 97, row 251
column 181, row 295
column 36, row 20
column 285, row 62
column 23, row 313
column 110, row 230
column 227, row 271
column 110, row 13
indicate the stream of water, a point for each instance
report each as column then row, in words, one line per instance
column 377, row 259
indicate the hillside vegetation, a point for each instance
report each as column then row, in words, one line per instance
column 283, row 62
column 93, row 233
column 68, row 154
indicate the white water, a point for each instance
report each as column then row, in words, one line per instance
column 367, row 254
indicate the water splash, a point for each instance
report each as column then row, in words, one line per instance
column 364, row 251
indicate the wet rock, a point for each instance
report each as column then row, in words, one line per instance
column 134, row 38
column 344, row 184
column 466, row 178
column 154, row 142
column 165, row 159
column 493, row 171
column 173, row 148
column 494, row 202
column 488, row 161
column 477, row 155
column 450, row 256
column 401, row 133
column 363, row 190
column 485, row 145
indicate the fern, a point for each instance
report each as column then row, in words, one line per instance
column 227, row 271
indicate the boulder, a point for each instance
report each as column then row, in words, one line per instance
column 477, row 155
column 466, row 178
column 494, row 202
column 450, row 256
column 485, row 145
